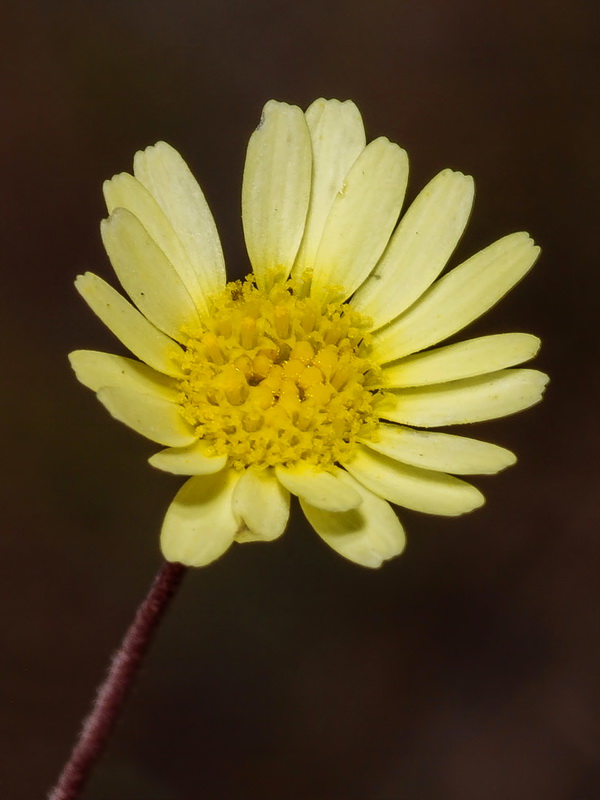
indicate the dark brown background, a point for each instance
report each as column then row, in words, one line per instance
column 467, row 669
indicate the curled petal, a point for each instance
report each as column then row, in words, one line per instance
column 319, row 488
column 262, row 504
column 367, row 535
column 200, row 525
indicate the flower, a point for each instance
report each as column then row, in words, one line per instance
column 316, row 375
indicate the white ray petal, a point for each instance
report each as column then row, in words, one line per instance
column 419, row 249
column 168, row 178
column 321, row 489
column 471, row 400
column 368, row 535
column 262, row 504
column 276, row 189
column 129, row 325
column 420, row 489
column 200, row 525
column 361, row 220
column 463, row 360
column 457, row 299
column 338, row 137
column 147, row 275
column 153, row 417
column 441, row 452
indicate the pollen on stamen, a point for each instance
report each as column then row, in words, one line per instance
column 277, row 377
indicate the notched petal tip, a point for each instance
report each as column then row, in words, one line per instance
column 158, row 148
column 111, row 187
column 270, row 106
column 275, row 106
column 322, row 102
column 524, row 240
column 83, row 279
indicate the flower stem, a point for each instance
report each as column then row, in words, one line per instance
column 116, row 687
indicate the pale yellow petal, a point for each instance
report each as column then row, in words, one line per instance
column 153, row 417
column 457, row 299
column 129, row 326
column 147, row 275
column 462, row 360
column 368, row 535
column 195, row 459
column 361, row 220
column 125, row 191
column 96, row 370
column 442, row 452
column 321, row 489
column 262, row 504
column 276, row 189
column 168, row 178
column 419, row 249
column 420, row 489
column 470, row 400
column 338, row 137
column 200, row 525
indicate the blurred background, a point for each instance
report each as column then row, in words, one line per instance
column 468, row 668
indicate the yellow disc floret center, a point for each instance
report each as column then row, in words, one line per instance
column 278, row 377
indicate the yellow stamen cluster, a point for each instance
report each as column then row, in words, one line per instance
column 277, row 377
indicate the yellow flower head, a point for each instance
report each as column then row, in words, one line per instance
column 315, row 375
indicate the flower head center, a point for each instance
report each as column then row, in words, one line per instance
column 277, row 377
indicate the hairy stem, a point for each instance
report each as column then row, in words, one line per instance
column 119, row 681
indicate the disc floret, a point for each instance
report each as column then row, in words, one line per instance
column 276, row 377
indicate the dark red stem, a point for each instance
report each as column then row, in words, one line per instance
column 118, row 683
